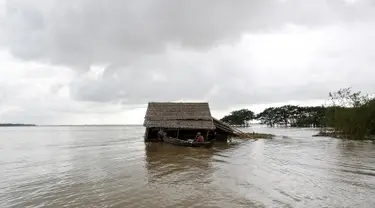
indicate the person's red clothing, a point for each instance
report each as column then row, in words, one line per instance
column 200, row 139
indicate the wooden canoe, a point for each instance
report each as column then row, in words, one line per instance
column 181, row 142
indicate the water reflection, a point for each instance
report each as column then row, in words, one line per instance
column 178, row 165
column 113, row 167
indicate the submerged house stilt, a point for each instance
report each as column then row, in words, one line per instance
column 183, row 121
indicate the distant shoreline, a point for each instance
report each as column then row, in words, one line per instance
column 67, row 125
column 95, row 125
column 14, row 125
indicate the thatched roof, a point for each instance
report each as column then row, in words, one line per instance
column 178, row 115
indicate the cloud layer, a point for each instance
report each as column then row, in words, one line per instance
column 118, row 53
column 86, row 32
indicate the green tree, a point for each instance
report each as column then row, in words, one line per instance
column 239, row 117
column 267, row 117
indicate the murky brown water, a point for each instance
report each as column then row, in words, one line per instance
column 112, row 167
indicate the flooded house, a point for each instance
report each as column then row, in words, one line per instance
column 184, row 121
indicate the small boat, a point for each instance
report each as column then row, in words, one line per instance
column 185, row 143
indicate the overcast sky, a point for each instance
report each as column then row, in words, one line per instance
column 100, row 62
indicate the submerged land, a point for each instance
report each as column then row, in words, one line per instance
column 347, row 115
column 254, row 135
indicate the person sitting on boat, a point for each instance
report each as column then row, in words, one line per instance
column 199, row 138
column 161, row 134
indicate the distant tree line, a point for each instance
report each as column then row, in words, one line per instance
column 14, row 124
column 346, row 115
column 287, row 115
column 294, row 116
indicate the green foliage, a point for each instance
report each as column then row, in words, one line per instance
column 351, row 115
column 239, row 117
column 295, row 116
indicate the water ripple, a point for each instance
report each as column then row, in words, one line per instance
column 111, row 166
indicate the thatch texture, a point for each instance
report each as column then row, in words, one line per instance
column 179, row 115
column 178, row 111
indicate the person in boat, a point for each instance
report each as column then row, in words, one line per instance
column 161, row 134
column 199, row 138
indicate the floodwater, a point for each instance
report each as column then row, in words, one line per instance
column 111, row 166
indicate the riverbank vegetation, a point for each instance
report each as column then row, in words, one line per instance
column 347, row 114
column 350, row 115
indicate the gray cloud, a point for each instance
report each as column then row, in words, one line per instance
column 85, row 32
column 170, row 50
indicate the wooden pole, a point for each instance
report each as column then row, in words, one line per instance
column 207, row 135
column 178, row 132
column 146, row 134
